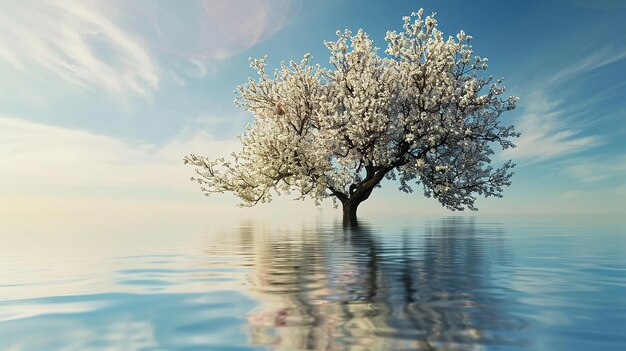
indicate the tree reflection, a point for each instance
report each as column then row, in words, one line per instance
column 350, row 288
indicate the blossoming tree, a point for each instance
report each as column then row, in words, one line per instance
column 420, row 114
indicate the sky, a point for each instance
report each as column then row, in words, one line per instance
column 100, row 100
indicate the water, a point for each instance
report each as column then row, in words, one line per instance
column 428, row 284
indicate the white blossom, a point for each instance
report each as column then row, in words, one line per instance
column 419, row 114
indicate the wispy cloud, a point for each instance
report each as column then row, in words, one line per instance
column 200, row 30
column 554, row 121
column 597, row 59
column 129, row 47
column 546, row 134
column 590, row 170
column 78, row 42
column 33, row 153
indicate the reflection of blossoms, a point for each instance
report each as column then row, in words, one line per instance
column 332, row 290
column 271, row 318
column 421, row 114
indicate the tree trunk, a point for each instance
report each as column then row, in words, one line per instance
column 349, row 211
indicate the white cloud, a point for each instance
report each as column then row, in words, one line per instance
column 201, row 69
column 596, row 169
column 201, row 30
column 32, row 153
column 546, row 134
column 553, row 121
column 78, row 42
column 598, row 59
column 128, row 47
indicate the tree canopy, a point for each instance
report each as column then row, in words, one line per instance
column 420, row 114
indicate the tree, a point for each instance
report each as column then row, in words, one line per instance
column 419, row 114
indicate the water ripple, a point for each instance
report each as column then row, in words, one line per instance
column 451, row 284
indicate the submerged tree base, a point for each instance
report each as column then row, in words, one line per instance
column 349, row 212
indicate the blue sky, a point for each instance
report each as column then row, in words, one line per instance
column 100, row 100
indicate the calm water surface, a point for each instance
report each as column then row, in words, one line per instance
column 436, row 284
